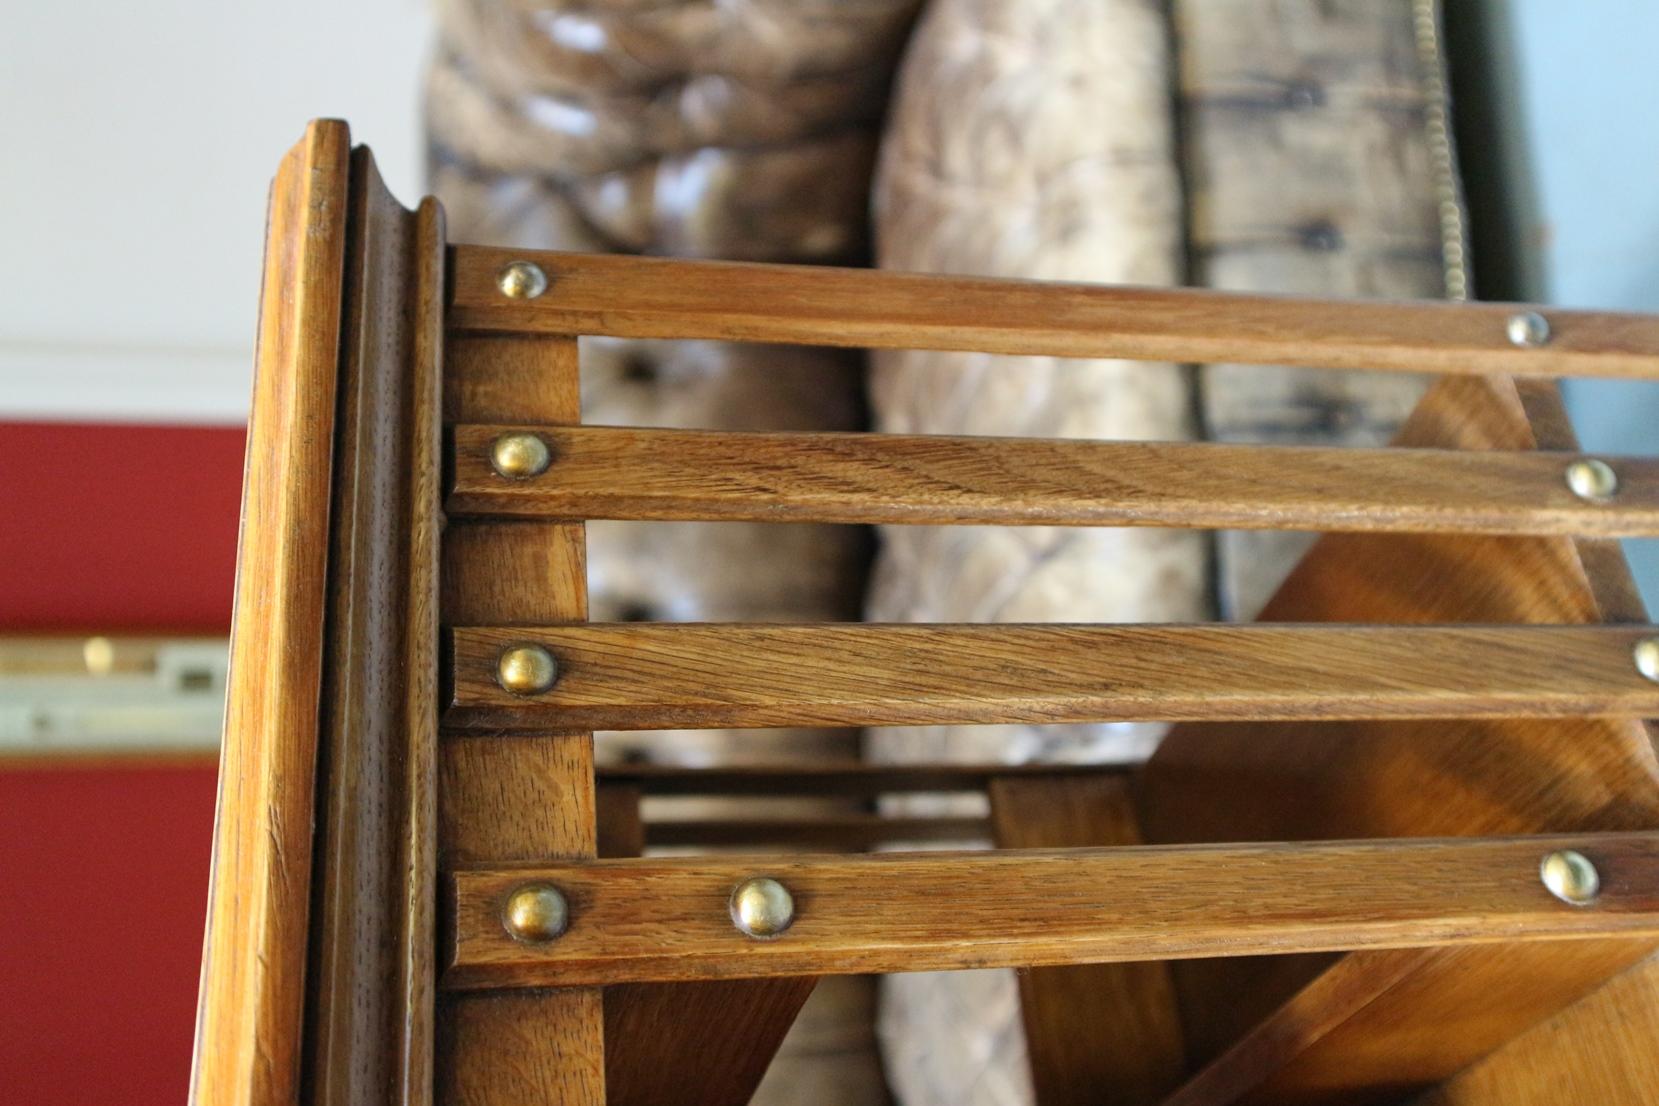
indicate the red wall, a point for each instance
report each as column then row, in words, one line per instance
column 103, row 864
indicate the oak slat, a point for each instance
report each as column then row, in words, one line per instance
column 639, row 297
column 662, row 920
column 249, row 1014
column 660, row 675
column 641, row 474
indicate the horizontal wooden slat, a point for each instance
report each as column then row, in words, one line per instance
column 636, row 297
column 658, row 675
column 624, row 473
column 852, row 778
column 660, row 920
column 844, row 831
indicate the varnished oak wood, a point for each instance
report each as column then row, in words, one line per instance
column 253, row 959
column 704, row 1043
column 659, row 675
column 369, row 1023
column 638, row 297
column 857, row 778
column 1600, row 1050
column 623, row 473
column 619, row 829
column 1379, row 1010
column 527, row 798
column 1402, row 1020
column 1095, row 1033
column 637, row 921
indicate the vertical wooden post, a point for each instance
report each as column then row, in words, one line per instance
column 528, row 797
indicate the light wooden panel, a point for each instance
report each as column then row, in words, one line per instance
column 1604, row 1049
column 1097, row 1034
column 659, row 675
column 638, row 297
column 253, row 960
column 1402, row 1021
column 621, row 473
column 369, row 1022
column 526, row 798
column 663, row 920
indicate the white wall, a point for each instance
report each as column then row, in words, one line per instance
column 139, row 140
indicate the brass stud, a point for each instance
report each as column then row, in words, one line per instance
column 521, row 280
column 535, row 912
column 526, row 670
column 762, row 907
column 1592, row 479
column 519, row 456
column 1646, row 656
column 1528, row 329
column 1570, row 877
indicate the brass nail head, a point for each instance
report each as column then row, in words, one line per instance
column 1528, row 329
column 762, row 907
column 526, row 670
column 521, row 280
column 1592, row 479
column 519, row 456
column 535, row 912
column 1646, row 656
column 1570, row 877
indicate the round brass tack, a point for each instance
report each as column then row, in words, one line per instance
column 518, row 456
column 1646, row 656
column 535, row 912
column 1528, row 329
column 521, row 280
column 1570, row 877
column 1592, row 479
column 526, row 670
column 762, row 907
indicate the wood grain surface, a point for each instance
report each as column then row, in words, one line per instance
column 635, row 921
column 658, row 675
column 639, row 297
column 1094, row 1032
column 1404, row 1020
column 248, row 1020
column 530, row 797
column 1600, row 1050
column 624, row 473
column 704, row 1043
column 369, row 1021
